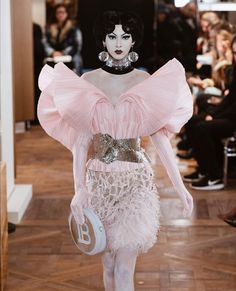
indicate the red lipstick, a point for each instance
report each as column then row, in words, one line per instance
column 118, row 52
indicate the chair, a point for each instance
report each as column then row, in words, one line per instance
column 229, row 152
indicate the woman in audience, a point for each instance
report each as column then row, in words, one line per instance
column 221, row 58
column 205, row 44
column 62, row 37
column 207, row 22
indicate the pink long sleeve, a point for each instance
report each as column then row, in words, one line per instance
column 82, row 197
column 80, row 153
column 165, row 152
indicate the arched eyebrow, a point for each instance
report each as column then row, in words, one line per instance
column 116, row 34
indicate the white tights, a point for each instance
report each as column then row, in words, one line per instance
column 118, row 270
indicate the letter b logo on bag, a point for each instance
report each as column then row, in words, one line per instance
column 89, row 237
column 83, row 234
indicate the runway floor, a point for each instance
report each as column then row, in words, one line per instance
column 197, row 254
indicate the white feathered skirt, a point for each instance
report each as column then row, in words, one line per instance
column 127, row 203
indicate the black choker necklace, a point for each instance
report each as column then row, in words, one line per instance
column 118, row 70
column 118, row 67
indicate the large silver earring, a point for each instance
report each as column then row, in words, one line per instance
column 103, row 56
column 132, row 56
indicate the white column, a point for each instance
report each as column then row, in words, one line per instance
column 18, row 196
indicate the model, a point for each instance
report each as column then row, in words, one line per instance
column 112, row 108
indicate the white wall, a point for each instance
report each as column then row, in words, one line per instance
column 39, row 12
column 18, row 196
column 7, row 147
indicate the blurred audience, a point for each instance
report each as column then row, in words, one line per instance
column 166, row 45
column 221, row 57
column 205, row 132
column 207, row 21
column 205, row 43
column 176, row 34
column 185, row 35
column 63, row 38
column 209, row 92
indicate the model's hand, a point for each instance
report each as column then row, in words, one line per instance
column 167, row 156
column 187, row 201
column 78, row 202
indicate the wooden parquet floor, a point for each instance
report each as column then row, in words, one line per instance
column 198, row 254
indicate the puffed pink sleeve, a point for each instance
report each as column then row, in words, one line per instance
column 48, row 114
column 164, row 99
column 65, row 105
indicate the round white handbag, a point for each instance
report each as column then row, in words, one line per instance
column 89, row 237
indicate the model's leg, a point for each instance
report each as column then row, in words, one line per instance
column 125, row 261
column 108, row 260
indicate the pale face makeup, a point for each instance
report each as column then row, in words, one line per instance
column 118, row 43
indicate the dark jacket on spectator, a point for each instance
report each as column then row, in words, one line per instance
column 227, row 108
column 63, row 39
column 184, row 40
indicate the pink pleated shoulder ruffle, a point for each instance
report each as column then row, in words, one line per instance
column 165, row 98
column 55, row 107
column 70, row 105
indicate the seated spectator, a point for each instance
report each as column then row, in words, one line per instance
column 207, row 21
column 166, row 47
column 210, row 92
column 222, row 59
column 185, row 32
column 214, row 89
column 62, row 36
column 205, row 43
column 205, row 133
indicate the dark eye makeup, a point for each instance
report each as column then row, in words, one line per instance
column 126, row 36
column 113, row 36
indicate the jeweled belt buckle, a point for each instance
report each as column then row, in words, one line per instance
column 110, row 155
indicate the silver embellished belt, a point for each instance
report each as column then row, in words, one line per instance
column 107, row 149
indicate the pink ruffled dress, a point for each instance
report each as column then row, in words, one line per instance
column 72, row 110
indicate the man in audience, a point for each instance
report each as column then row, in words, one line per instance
column 185, row 35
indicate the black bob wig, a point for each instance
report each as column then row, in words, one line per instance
column 131, row 23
